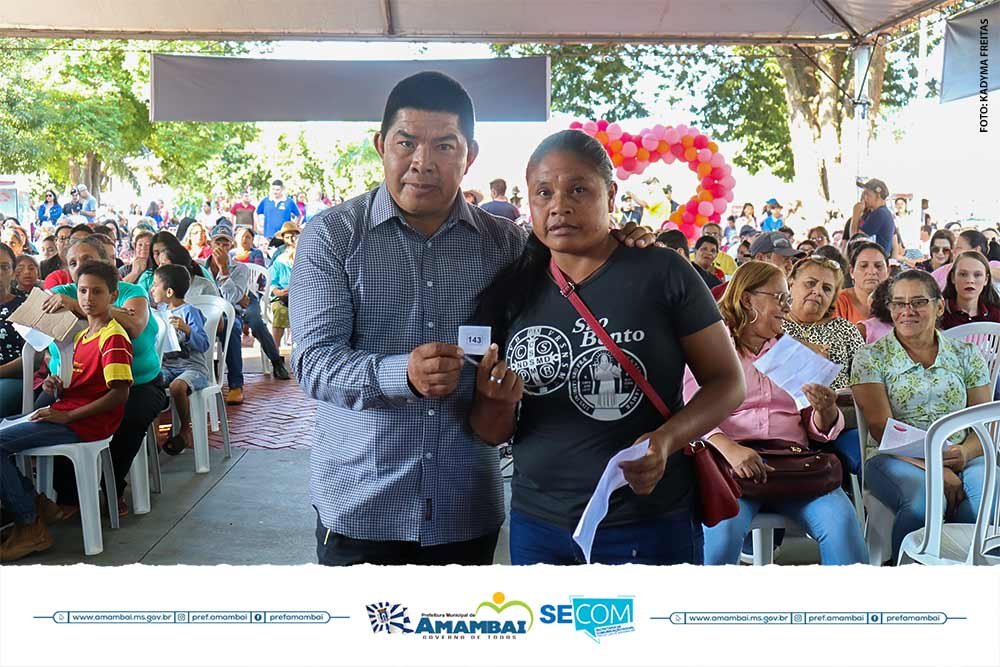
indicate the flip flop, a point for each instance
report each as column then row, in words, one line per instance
column 174, row 445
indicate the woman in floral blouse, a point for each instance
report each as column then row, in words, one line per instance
column 916, row 375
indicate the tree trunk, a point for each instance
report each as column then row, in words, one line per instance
column 92, row 175
column 74, row 173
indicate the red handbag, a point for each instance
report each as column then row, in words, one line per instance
column 717, row 491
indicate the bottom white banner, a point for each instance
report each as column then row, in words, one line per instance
column 501, row 615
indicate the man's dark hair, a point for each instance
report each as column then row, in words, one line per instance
column 787, row 231
column 103, row 229
column 674, row 239
column 104, row 271
column 927, row 229
column 431, row 91
column 706, row 239
column 62, row 227
column 48, row 238
column 498, row 187
column 82, row 227
column 175, row 277
column 276, row 181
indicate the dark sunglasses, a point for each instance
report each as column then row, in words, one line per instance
column 940, row 249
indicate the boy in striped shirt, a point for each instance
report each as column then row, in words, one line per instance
column 91, row 408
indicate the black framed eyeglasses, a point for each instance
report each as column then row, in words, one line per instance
column 916, row 304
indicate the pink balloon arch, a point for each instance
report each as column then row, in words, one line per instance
column 631, row 154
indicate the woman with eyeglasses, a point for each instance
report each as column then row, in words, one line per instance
column 916, row 375
column 50, row 210
column 815, row 283
column 819, row 236
column 755, row 307
column 969, row 296
column 869, row 267
column 940, row 251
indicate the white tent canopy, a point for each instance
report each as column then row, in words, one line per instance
column 699, row 21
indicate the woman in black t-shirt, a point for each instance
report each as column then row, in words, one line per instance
column 578, row 406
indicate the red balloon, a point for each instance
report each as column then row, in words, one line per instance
column 603, row 125
column 701, row 141
column 708, row 183
column 687, row 218
column 717, row 173
column 715, row 217
column 629, row 163
column 718, row 190
column 654, row 156
column 576, row 125
column 692, row 206
column 625, row 137
column 677, row 150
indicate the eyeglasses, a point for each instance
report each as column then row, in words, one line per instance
column 784, row 299
column 817, row 239
column 939, row 248
column 916, row 304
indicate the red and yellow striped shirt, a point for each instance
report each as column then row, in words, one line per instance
column 98, row 360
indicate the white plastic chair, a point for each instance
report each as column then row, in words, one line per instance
column 940, row 543
column 213, row 308
column 90, row 460
column 985, row 336
column 762, row 531
column 256, row 273
column 879, row 517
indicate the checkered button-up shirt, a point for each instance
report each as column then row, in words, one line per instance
column 366, row 289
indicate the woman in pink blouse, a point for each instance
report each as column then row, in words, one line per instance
column 754, row 306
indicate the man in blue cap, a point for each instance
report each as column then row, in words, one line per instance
column 233, row 280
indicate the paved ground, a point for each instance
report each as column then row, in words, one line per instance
column 251, row 509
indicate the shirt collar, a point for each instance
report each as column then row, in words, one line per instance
column 900, row 361
column 384, row 208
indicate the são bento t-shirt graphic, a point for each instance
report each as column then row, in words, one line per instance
column 597, row 384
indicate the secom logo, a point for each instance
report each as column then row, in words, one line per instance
column 597, row 617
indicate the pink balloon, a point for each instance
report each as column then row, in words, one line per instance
column 630, row 163
column 649, row 142
column 719, row 205
column 657, row 131
column 629, row 149
column 590, row 127
column 717, row 160
column 641, row 167
column 602, row 125
column 705, row 208
column 575, row 125
column 728, row 182
column 729, row 196
column 704, row 155
column 726, row 170
column 708, row 183
column 692, row 132
column 671, row 136
column 687, row 217
column 667, row 226
column 681, row 129
column 622, row 173
column 668, row 158
column 614, row 131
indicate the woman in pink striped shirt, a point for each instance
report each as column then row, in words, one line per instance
column 754, row 307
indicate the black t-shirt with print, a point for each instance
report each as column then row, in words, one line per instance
column 580, row 407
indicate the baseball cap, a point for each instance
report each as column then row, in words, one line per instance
column 773, row 242
column 748, row 230
column 82, row 188
column 773, row 202
column 222, row 229
column 877, row 186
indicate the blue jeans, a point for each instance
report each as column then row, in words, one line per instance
column 253, row 318
column 10, row 397
column 829, row 519
column 666, row 541
column 902, row 487
column 234, row 355
column 848, row 445
column 17, row 492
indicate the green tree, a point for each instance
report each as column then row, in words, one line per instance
column 788, row 107
column 78, row 111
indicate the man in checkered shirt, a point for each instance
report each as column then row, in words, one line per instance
column 381, row 284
